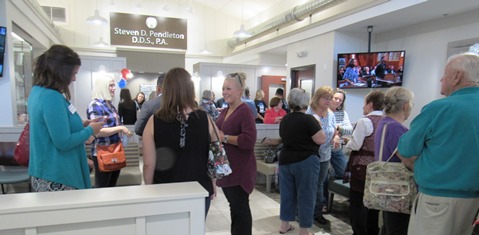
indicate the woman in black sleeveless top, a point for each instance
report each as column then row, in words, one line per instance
column 176, row 139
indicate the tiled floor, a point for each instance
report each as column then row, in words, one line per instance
column 265, row 210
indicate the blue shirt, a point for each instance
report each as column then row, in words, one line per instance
column 329, row 126
column 351, row 74
column 57, row 137
column 445, row 137
column 251, row 105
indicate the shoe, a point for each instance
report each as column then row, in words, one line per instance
column 322, row 220
column 325, row 210
column 291, row 227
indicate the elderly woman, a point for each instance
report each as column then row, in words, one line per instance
column 275, row 113
column 397, row 108
column 299, row 163
column 363, row 220
column 320, row 106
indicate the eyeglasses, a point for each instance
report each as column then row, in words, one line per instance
column 233, row 75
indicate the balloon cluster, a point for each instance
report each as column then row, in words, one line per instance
column 125, row 75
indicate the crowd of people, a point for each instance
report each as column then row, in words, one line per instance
column 315, row 132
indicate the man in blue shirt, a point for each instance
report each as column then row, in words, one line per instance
column 249, row 102
column 445, row 139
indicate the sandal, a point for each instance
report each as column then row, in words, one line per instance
column 291, row 227
column 324, row 209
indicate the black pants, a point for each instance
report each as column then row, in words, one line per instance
column 241, row 219
column 395, row 223
column 364, row 221
column 104, row 179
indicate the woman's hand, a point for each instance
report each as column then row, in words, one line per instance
column 90, row 139
column 336, row 142
column 126, row 132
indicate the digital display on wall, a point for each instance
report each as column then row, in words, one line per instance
column 3, row 35
column 148, row 31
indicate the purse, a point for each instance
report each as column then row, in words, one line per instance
column 390, row 186
column 110, row 157
column 22, row 149
column 218, row 164
column 272, row 155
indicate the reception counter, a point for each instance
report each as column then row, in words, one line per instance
column 131, row 210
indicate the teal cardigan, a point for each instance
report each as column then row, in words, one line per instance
column 57, row 136
column 445, row 137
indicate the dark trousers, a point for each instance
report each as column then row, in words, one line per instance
column 104, row 179
column 241, row 219
column 395, row 223
column 364, row 221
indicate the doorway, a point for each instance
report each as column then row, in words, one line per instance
column 269, row 84
column 303, row 77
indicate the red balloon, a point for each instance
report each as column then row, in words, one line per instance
column 124, row 73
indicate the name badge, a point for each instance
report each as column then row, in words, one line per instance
column 72, row 109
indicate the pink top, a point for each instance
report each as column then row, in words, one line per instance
column 271, row 115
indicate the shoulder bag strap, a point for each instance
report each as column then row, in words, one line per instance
column 382, row 142
column 214, row 127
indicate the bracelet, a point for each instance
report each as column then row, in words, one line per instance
column 225, row 139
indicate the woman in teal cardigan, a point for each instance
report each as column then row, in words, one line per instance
column 57, row 133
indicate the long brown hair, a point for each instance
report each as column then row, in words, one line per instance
column 178, row 94
column 54, row 69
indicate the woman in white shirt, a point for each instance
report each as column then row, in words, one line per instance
column 363, row 220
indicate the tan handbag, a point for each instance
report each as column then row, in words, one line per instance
column 111, row 157
column 389, row 186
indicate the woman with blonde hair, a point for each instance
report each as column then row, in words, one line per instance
column 101, row 106
column 238, row 132
column 260, row 105
column 397, row 108
column 320, row 106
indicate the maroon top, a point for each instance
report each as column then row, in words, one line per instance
column 240, row 123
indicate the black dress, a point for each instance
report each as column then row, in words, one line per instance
column 187, row 163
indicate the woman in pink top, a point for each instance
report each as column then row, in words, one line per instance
column 275, row 113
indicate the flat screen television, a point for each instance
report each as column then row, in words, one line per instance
column 370, row 69
column 3, row 35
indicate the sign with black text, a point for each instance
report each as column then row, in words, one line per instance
column 148, row 31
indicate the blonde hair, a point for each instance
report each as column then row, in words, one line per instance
column 239, row 78
column 395, row 98
column 324, row 91
column 259, row 95
column 101, row 88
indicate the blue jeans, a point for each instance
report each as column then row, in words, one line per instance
column 323, row 172
column 338, row 162
column 298, row 183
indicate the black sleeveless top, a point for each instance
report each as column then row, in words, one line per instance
column 182, row 164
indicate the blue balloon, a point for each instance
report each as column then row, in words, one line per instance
column 122, row 83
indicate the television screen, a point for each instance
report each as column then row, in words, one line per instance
column 374, row 69
column 3, row 35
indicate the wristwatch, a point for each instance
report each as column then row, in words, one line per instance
column 225, row 139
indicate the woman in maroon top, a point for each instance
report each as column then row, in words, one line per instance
column 238, row 132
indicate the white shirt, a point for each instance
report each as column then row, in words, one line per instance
column 364, row 128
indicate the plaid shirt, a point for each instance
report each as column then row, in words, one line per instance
column 103, row 108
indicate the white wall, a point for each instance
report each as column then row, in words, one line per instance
column 426, row 53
